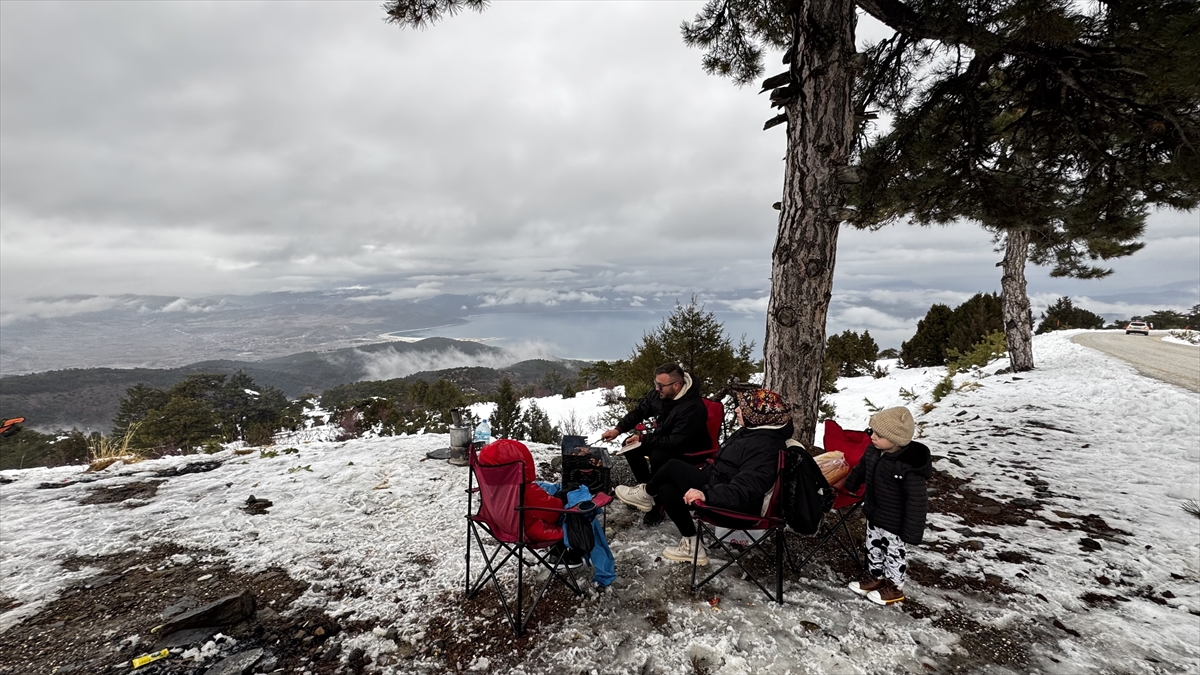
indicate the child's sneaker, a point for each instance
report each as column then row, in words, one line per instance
column 887, row 594
column 637, row 497
column 866, row 586
column 686, row 550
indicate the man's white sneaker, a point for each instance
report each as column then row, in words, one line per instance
column 685, row 551
column 637, row 497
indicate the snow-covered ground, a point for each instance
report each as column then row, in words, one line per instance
column 1083, row 437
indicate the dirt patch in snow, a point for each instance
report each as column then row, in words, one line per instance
column 193, row 467
column 137, row 490
column 105, row 620
column 931, row 577
column 465, row 630
column 987, row 644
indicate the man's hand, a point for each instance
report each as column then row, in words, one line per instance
column 631, row 439
column 692, row 496
column 610, row 434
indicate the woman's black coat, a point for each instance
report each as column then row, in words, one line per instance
column 745, row 468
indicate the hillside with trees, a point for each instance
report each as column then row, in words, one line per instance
column 89, row 398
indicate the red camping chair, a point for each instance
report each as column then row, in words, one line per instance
column 501, row 491
column 709, row 518
column 716, row 415
column 852, row 444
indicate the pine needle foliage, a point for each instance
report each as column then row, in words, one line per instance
column 1064, row 315
column 692, row 337
column 852, row 354
column 421, row 14
column 1067, row 119
column 505, row 420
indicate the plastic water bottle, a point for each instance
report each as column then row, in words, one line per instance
column 483, row 433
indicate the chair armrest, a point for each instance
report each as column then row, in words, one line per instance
column 738, row 515
column 548, row 509
column 600, row 500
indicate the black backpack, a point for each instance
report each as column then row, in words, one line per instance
column 807, row 496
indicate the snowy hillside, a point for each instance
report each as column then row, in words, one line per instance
column 1057, row 544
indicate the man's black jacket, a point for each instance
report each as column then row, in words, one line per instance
column 681, row 424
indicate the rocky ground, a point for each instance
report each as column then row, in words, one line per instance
column 116, row 615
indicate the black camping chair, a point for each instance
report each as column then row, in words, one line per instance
column 709, row 518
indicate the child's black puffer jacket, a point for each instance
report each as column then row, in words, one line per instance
column 896, row 495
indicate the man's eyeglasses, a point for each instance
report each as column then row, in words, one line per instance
column 660, row 386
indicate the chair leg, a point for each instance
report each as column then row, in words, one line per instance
column 518, row 615
column 734, row 558
column 520, row 628
column 570, row 583
column 780, row 543
column 491, row 569
column 467, row 589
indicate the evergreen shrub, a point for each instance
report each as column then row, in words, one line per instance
column 1064, row 315
column 852, row 354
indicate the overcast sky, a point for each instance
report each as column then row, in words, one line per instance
column 538, row 148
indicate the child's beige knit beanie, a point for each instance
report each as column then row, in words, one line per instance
column 894, row 424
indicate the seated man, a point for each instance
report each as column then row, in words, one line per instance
column 744, row 470
column 681, row 425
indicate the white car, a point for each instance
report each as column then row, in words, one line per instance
column 1137, row 327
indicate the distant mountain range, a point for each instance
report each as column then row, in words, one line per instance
column 147, row 331
column 88, row 398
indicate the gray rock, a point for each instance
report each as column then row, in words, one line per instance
column 229, row 609
column 238, row 664
column 746, row 644
column 184, row 604
column 1024, row 503
column 187, row 638
column 333, row 651
column 104, row 580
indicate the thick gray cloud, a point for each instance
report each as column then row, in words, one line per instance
column 536, row 152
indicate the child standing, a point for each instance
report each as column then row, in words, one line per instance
column 895, row 469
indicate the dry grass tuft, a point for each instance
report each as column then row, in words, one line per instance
column 108, row 451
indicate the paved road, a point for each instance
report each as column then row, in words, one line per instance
column 1166, row 361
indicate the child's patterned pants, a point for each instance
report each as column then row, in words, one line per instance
column 887, row 555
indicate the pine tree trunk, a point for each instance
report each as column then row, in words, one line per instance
column 820, row 132
column 1018, row 326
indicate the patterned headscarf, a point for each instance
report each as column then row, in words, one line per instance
column 763, row 407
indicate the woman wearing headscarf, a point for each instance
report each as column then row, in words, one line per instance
column 739, row 476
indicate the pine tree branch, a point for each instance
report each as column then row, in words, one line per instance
column 421, row 14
